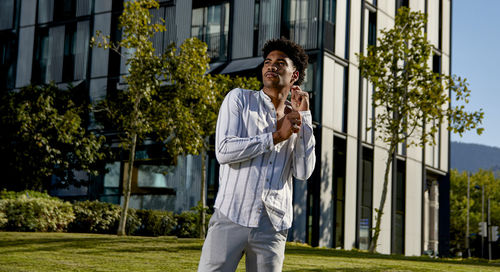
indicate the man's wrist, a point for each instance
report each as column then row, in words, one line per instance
column 277, row 137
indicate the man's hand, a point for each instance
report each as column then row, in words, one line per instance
column 288, row 125
column 300, row 99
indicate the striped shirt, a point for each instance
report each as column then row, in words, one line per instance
column 255, row 174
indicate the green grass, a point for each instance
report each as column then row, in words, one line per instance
column 21, row 251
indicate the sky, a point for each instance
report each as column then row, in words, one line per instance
column 475, row 55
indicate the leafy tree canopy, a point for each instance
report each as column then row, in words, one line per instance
column 43, row 134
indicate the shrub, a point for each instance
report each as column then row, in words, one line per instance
column 3, row 217
column 188, row 222
column 156, row 223
column 4, row 194
column 36, row 214
column 101, row 217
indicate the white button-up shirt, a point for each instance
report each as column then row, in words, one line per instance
column 255, row 174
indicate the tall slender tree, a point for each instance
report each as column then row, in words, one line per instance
column 170, row 98
column 411, row 100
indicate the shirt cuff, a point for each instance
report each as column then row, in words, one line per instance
column 306, row 117
column 268, row 142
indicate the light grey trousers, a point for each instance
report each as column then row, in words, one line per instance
column 226, row 242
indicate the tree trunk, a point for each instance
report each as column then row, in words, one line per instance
column 202, row 193
column 380, row 210
column 128, row 185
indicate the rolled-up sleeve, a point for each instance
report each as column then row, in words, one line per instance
column 304, row 157
column 230, row 147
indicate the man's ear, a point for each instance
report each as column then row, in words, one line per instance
column 295, row 76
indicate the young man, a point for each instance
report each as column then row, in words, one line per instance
column 262, row 140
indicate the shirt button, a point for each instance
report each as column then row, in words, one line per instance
column 270, row 162
column 267, row 180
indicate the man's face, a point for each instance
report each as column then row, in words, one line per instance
column 278, row 70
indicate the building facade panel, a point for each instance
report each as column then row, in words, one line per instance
column 413, row 214
column 100, row 56
column 433, row 18
column 183, row 19
column 446, row 28
column 354, row 31
column 328, row 97
column 388, row 7
column 341, row 28
column 353, row 102
column 326, row 190
column 28, row 12
column 351, row 191
column 384, row 241
column 243, row 27
column 25, row 56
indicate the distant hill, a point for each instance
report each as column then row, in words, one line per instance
column 472, row 157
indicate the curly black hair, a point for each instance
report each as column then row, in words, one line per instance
column 294, row 51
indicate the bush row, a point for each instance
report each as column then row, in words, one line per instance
column 31, row 212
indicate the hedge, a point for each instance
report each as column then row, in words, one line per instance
column 35, row 211
column 101, row 217
column 36, row 214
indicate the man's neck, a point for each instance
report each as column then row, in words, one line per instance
column 278, row 97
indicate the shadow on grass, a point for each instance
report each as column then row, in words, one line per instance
column 337, row 269
column 97, row 245
column 323, row 252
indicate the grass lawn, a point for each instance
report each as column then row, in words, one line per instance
column 21, row 251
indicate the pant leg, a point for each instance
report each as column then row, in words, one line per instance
column 266, row 247
column 224, row 244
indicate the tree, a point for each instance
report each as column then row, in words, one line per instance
column 43, row 135
column 411, row 100
column 458, row 206
column 169, row 98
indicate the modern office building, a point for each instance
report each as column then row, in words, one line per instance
column 47, row 40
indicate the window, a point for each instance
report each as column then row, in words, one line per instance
column 256, row 20
column 211, row 25
column 365, row 223
column 309, row 85
column 155, row 176
column 61, row 53
column 64, row 9
column 9, row 14
column 270, row 21
column 399, row 187
column 329, row 26
column 300, row 22
column 8, row 55
column 40, row 61
column 339, row 166
column 110, row 190
column 372, row 28
column 402, row 3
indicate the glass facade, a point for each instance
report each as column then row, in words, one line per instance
column 8, row 54
column 211, row 25
column 338, row 198
column 300, row 22
column 329, row 26
column 399, row 209
column 365, row 223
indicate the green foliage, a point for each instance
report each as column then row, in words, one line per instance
column 4, row 194
column 101, row 217
column 156, row 223
column 94, row 217
column 36, row 214
column 458, row 205
column 182, row 112
column 407, row 91
column 43, row 134
column 412, row 102
column 188, row 222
